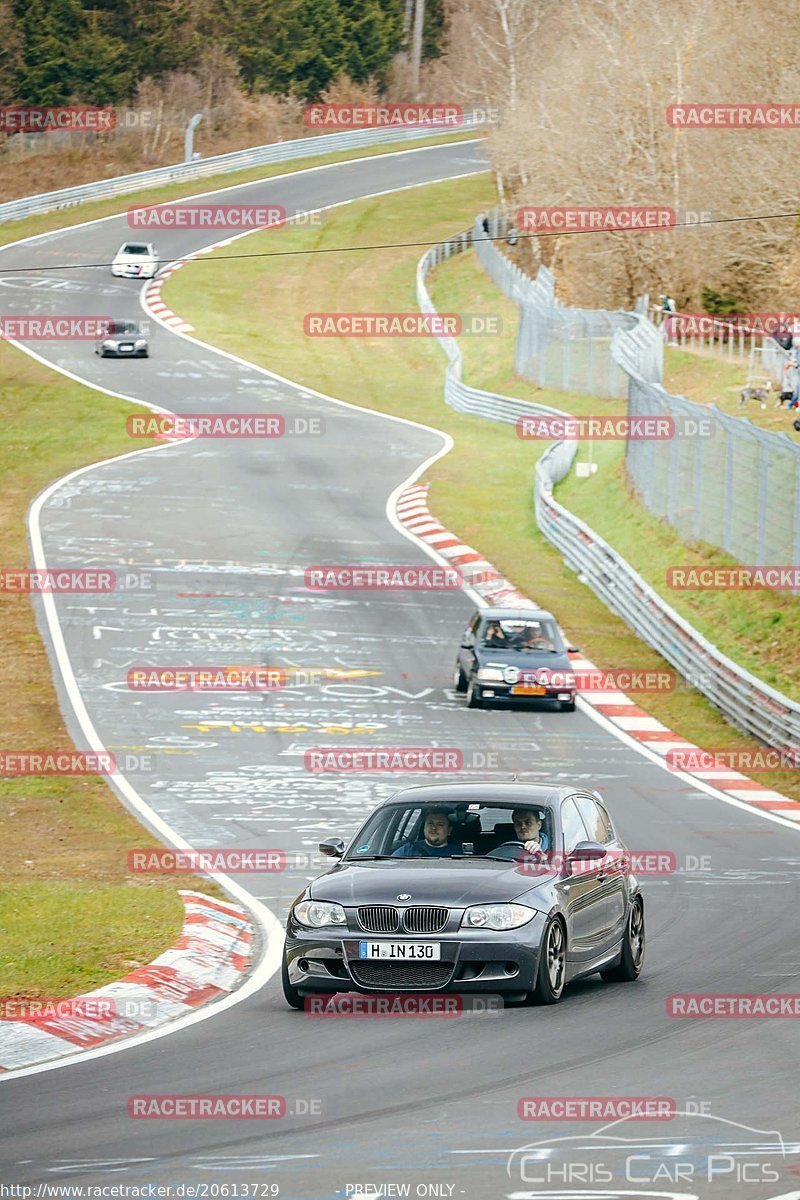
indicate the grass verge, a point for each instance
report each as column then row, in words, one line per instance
column 482, row 490
column 71, row 915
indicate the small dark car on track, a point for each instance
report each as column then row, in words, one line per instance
column 124, row 339
column 437, row 892
column 514, row 654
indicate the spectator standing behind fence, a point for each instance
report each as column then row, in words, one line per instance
column 789, row 380
column 667, row 307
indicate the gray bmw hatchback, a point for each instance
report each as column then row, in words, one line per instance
column 478, row 887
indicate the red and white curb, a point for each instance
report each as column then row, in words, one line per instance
column 616, row 707
column 210, row 958
column 156, row 306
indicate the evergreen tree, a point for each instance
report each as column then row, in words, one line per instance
column 50, row 30
column 10, row 53
column 318, row 33
column 257, row 34
column 102, row 66
column 374, row 33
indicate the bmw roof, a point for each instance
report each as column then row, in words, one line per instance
column 491, row 791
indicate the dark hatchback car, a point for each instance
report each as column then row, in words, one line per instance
column 514, row 654
column 124, row 339
column 435, row 893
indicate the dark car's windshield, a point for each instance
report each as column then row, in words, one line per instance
column 534, row 636
column 471, row 830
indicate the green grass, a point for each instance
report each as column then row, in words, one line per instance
column 483, row 488
column 71, row 915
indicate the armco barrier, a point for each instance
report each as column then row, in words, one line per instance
column 458, row 394
column 746, row 701
column 220, row 164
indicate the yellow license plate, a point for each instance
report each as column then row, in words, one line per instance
column 526, row 690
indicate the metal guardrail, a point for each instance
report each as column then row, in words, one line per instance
column 236, row 160
column 458, row 394
column 748, row 702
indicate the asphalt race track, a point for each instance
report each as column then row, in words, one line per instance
column 216, row 535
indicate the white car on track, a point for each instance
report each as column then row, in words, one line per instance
column 135, row 260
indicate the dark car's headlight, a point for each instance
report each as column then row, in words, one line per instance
column 496, row 916
column 318, row 913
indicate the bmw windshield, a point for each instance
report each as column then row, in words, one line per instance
column 477, row 830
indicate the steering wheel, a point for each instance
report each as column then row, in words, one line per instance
column 516, row 844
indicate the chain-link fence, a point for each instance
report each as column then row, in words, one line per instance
column 721, row 479
column 568, row 349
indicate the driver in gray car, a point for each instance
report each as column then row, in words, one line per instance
column 528, row 828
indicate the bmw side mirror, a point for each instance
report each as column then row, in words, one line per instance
column 332, row 848
column 573, row 649
column 588, row 852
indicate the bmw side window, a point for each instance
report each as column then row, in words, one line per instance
column 595, row 819
column 611, row 833
column 574, row 828
column 405, row 827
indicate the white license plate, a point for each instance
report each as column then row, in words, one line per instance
column 125, row 348
column 401, row 951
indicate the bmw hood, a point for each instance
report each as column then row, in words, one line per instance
column 449, row 882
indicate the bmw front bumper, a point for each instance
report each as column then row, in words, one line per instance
column 472, row 961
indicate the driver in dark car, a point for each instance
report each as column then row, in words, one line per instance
column 435, row 841
column 528, row 828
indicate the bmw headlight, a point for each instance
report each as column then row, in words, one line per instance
column 496, row 916
column 318, row 913
column 108, row 345
column 140, row 343
column 490, row 674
